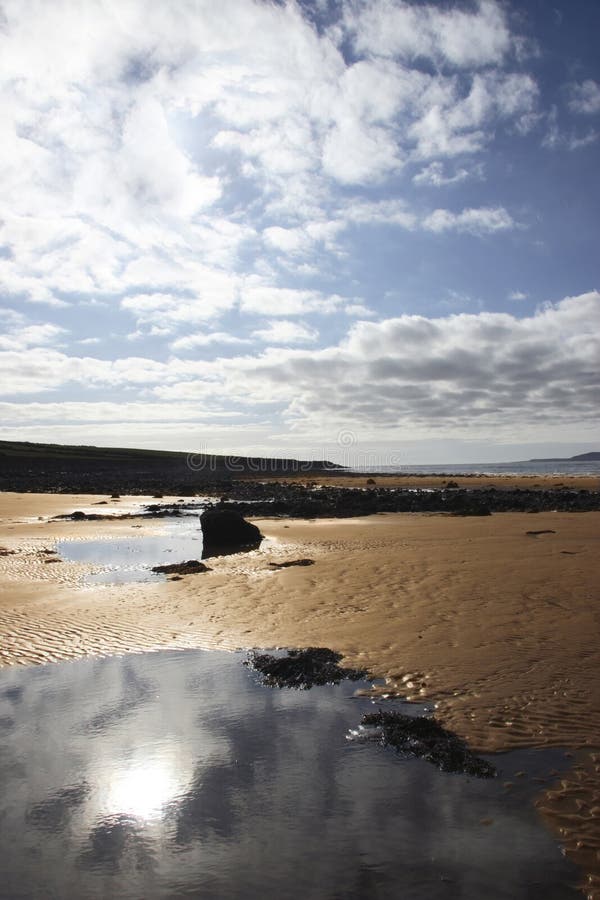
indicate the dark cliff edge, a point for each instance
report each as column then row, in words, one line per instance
column 58, row 468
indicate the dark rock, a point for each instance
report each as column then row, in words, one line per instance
column 466, row 504
column 426, row 739
column 190, row 567
column 292, row 562
column 253, row 497
column 226, row 531
column 78, row 515
column 371, row 481
column 452, row 484
column 541, row 531
column 473, row 509
column 302, row 669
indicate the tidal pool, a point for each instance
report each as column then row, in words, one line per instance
column 132, row 558
column 176, row 774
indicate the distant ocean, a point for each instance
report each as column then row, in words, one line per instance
column 526, row 467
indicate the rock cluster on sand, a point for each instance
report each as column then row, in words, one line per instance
column 304, row 502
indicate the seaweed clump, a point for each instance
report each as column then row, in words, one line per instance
column 190, row 567
column 302, row 669
column 426, row 739
column 292, row 562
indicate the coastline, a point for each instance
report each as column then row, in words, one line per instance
column 498, row 627
column 432, row 481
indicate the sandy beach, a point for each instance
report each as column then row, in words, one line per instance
column 497, row 626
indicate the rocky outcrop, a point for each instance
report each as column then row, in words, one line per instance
column 226, row 531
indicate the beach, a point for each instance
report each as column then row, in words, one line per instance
column 498, row 627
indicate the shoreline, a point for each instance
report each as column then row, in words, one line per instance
column 189, row 482
column 498, row 627
column 438, row 481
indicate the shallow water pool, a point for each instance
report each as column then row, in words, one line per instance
column 176, row 774
column 131, row 558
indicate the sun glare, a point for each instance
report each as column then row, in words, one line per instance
column 142, row 790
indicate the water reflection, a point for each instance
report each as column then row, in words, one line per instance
column 132, row 559
column 176, row 774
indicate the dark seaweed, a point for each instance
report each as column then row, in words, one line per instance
column 302, row 669
column 426, row 739
column 190, row 567
column 292, row 562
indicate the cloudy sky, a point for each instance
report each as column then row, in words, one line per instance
column 366, row 230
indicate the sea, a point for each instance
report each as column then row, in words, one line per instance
column 525, row 467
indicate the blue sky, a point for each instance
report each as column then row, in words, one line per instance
column 361, row 230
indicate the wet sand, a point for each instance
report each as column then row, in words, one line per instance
column 499, row 627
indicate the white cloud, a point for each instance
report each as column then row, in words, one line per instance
column 150, row 150
column 467, row 373
column 283, row 332
column 264, row 299
column 192, row 341
column 585, row 98
column 557, row 138
column 389, row 212
column 359, row 310
column 354, row 154
column 216, row 294
column 44, row 369
column 454, row 124
column 434, row 175
column 20, row 336
column 517, row 295
column 452, row 36
column 485, row 220
column 301, row 240
column 26, row 414
column 478, row 221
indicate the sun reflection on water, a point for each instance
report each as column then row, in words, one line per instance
column 142, row 790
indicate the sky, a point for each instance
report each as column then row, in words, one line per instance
column 362, row 231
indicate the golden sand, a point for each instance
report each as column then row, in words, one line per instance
column 499, row 627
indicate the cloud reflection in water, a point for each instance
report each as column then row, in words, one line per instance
column 176, row 774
